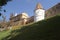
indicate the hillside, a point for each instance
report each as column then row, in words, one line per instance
column 48, row 29
column 3, row 34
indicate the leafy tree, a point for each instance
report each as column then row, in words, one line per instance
column 0, row 14
column 2, row 3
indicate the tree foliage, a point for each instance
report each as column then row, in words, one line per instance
column 3, row 2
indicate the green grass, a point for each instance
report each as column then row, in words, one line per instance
column 4, row 34
column 48, row 29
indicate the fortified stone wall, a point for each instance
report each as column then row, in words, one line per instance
column 53, row 11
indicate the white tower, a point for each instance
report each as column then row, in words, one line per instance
column 39, row 13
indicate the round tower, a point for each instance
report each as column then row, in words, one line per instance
column 39, row 13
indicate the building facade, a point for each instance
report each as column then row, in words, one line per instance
column 55, row 10
column 39, row 14
column 19, row 19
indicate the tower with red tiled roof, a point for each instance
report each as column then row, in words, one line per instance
column 39, row 13
column 39, row 6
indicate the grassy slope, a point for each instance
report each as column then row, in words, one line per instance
column 44, row 30
column 4, row 34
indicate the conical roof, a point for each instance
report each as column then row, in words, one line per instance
column 39, row 6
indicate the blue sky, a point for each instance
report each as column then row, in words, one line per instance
column 28, row 6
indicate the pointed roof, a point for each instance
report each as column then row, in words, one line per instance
column 39, row 6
